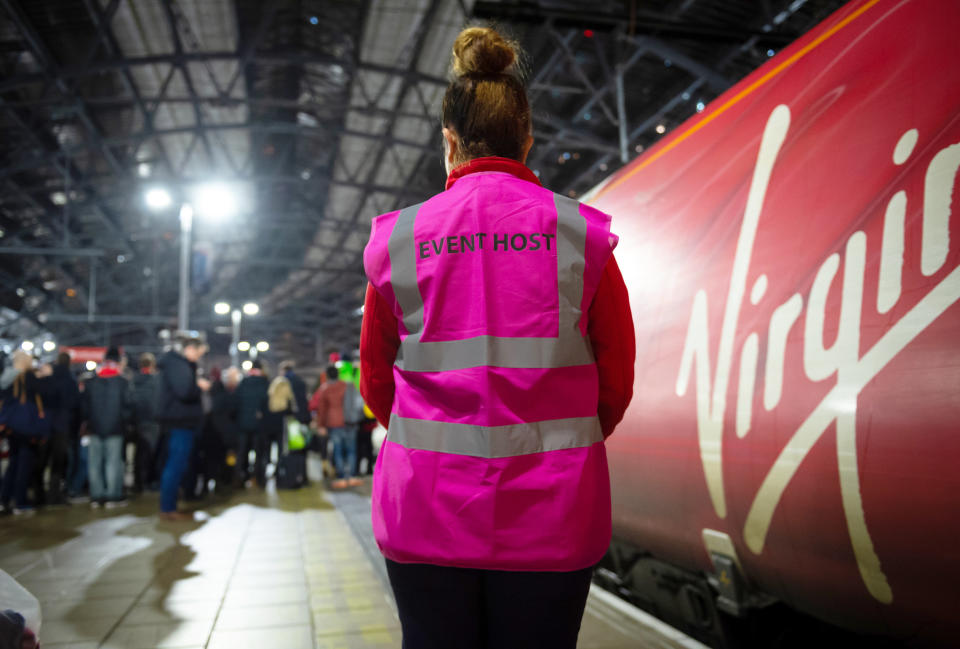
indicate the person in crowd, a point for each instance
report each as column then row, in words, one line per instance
column 147, row 429
column 491, row 497
column 107, row 409
column 223, row 420
column 79, row 447
column 280, row 403
column 63, row 406
column 251, row 398
column 22, row 387
column 320, row 442
column 332, row 414
column 300, row 407
column 180, row 411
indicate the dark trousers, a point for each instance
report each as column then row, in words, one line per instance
column 265, row 442
column 179, row 446
column 364, row 449
column 146, row 472
column 18, row 474
column 53, row 453
column 458, row 608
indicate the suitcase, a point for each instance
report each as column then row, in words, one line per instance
column 292, row 470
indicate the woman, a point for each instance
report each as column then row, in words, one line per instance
column 19, row 384
column 497, row 347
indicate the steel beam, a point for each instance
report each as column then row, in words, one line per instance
column 65, row 252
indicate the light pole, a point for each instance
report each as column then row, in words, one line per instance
column 186, row 232
column 214, row 201
column 236, row 318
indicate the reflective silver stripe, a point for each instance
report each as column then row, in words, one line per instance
column 570, row 348
column 403, row 270
column 494, row 441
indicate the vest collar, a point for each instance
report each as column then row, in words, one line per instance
column 492, row 163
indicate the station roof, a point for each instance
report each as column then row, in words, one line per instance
column 315, row 116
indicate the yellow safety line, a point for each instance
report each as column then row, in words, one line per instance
column 743, row 93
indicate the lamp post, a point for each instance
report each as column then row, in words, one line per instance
column 236, row 318
column 186, row 234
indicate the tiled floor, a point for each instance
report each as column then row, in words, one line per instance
column 264, row 570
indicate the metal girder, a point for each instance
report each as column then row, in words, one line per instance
column 715, row 79
column 264, row 58
column 64, row 252
column 519, row 11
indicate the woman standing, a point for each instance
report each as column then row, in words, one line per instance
column 497, row 347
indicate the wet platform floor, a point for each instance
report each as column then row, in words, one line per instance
column 292, row 569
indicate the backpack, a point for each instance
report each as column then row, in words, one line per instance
column 279, row 395
column 352, row 405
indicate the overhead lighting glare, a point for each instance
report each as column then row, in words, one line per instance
column 27, row 345
column 247, row 365
column 215, row 201
column 158, row 198
column 251, row 308
column 221, row 308
column 49, row 345
column 661, row 129
column 263, row 346
column 243, row 346
column 58, row 198
column 143, row 170
column 91, row 365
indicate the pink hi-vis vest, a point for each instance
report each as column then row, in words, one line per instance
column 494, row 456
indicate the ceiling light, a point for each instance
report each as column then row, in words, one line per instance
column 143, row 170
column 251, row 308
column 700, row 106
column 21, row 292
column 247, row 365
column 221, row 308
column 58, row 198
column 27, row 345
column 263, row 346
column 243, row 346
column 91, row 365
column 49, row 345
column 661, row 129
column 158, row 198
column 215, row 201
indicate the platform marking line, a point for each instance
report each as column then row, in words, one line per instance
column 806, row 49
column 645, row 619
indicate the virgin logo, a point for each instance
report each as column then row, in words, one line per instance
column 842, row 360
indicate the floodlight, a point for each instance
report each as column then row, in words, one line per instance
column 49, row 345
column 243, row 346
column 247, row 365
column 91, row 365
column 221, row 308
column 251, row 308
column 215, row 201
column 158, row 198
column 263, row 346
column 27, row 345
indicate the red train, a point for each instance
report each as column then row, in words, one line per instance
column 793, row 259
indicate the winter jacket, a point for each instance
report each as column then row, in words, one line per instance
column 299, row 389
column 107, row 405
column 223, row 412
column 330, row 404
column 251, row 397
column 145, row 387
column 180, row 398
column 65, row 399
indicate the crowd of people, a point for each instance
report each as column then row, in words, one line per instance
column 100, row 436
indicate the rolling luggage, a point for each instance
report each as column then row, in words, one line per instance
column 292, row 470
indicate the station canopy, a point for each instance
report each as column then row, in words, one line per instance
column 305, row 119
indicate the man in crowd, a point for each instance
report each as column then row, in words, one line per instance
column 251, row 401
column 147, row 436
column 63, row 406
column 336, row 413
column 180, row 411
column 107, row 408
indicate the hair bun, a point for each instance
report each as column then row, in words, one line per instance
column 481, row 50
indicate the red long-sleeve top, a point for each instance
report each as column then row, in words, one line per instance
column 610, row 328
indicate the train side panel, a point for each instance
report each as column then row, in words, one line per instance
column 793, row 260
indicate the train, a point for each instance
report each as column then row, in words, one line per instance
column 792, row 255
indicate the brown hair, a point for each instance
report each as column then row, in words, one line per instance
column 147, row 360
column 486, row 103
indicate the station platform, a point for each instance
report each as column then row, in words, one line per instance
column 290, row 569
